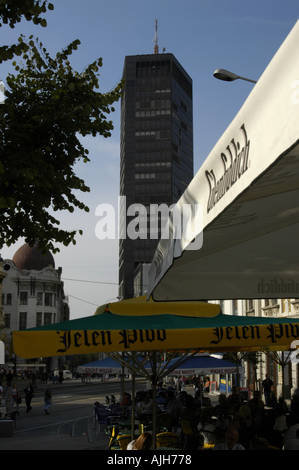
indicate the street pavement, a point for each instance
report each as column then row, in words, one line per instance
column 74, row 435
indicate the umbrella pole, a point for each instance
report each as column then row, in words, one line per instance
column 133, row 400
column 123, row 391
column 154, row 382
column 200, row 389
column 238, row 381
column 284, row 362
column 283, row 378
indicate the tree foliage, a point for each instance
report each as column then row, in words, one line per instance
column 12, row 12
column 47, row 106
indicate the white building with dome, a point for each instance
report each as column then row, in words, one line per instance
column 32, row 294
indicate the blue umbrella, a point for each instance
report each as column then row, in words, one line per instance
column 104, row 366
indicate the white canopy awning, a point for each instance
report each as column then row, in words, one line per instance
column 249, row 191
column 204, row 364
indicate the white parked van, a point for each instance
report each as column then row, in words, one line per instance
column 67, row 375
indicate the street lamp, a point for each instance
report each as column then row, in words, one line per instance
column 2, row 277
column 227, row 76
column 119, row 297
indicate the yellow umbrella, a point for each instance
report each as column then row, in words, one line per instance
column 138, row 325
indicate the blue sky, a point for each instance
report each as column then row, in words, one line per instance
column 237, row 35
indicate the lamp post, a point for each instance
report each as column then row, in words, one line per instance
column 2, row 322
column 226, row 76
column 2, row 276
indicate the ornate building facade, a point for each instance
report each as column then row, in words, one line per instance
column 32, row 294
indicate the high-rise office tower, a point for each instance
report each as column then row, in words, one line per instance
column 156, row 155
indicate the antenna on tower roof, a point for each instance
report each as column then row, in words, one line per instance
column 156, row 48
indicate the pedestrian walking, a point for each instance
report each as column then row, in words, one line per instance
column 29, row 394
column 267, row 385
column 15, row 395
column 9, row 378
column 48, row 398
column 8, row 398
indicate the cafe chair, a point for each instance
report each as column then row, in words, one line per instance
column 116, row 408
column 159, row 429
column 167, row 439
column 164, row 419
column 104, row 416
column 186, row 428
column 97, row 408
column 112, row 433
column 121, row 442
column 206, row 401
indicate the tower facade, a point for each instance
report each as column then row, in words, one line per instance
column 156, row 155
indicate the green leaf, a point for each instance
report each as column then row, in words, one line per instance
column 7, row 203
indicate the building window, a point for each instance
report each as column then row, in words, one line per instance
column 8, row 299
column 39, row 298
column 6, row 320
column 49, row 300
column 23, row 321
column 48, row 318
column 270, row 302
column 23, row 298
column 39, row 318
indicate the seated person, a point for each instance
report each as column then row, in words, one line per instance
column 174, row 407
column 256, row 406
column 145, row 405
column 124, row 400
column 191, row 413
column 222, row 410
column 258, row 443
column 292, row 444
column 161, row 398
column 246, row 426
column 144, row 442
column 235, row 398
column 195, row 442
column 231, row 441
column 280, row 418
column 207, row 427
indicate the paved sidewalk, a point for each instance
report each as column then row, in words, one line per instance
column 47, row 440
column 46, row 437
